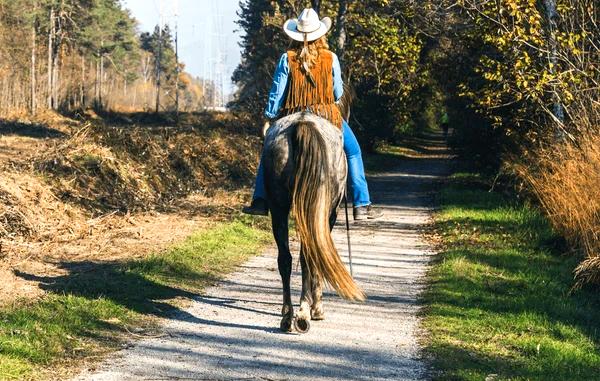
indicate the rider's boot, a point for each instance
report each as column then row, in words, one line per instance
column 367, row 212
column 258, row 207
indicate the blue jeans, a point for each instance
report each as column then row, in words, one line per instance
column 356, row 172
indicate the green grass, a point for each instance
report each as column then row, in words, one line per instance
column 91, row 309
column 499, row 300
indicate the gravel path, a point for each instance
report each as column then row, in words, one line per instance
column 231, row 332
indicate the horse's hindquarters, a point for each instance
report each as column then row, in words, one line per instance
column 278, row 151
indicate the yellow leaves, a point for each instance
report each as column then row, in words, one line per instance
column 522, row 83
column 494, row 77
column 518, row 68
column 513, row 7
column 562, row 7
column 386, row 53
column 572, row 42
column 568, row 96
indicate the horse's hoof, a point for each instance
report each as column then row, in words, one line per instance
column 302, row 325
column 286, row 324
column 317, row 315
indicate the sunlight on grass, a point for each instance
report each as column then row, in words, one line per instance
column 88, row 312
column 58, row 327
column 204, row 256
column 499, row 299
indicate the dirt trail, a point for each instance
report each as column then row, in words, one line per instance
column 231, row 332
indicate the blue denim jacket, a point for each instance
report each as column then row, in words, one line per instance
column 280, row 81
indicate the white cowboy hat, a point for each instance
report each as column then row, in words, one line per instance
column 307, row 24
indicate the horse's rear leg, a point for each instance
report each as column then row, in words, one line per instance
column 311, row 305
column 316, row 310
column 306, row 299
column 279, row 220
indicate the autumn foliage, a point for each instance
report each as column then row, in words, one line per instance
column 533, row 85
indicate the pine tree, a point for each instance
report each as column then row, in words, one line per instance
column 160, row 45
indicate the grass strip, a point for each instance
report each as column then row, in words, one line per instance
column 92, row 308
column 499, row 305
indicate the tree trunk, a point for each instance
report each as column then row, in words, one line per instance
column 134, row 100
column 340, row 29
column 146, row 70
column 95, row 101
column 50, row 58
column 316, row 4
column 176, row 72
column 33, row 95
column 158, row 61
column 551, row 16
column 55, row 80
column 101, row 84
column 82, row 85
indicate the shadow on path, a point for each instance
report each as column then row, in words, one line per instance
column 31, row 130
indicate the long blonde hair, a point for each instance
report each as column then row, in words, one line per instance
column 309, row 52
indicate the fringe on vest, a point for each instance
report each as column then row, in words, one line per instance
column 318, row 98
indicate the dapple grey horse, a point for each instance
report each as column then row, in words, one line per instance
column 305, row 174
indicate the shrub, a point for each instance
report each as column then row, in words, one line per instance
column 566, row 180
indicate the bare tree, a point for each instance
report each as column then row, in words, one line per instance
column 82, row 85
column 50, row 57
column 33, row 95
column 551, row 16
column 158, row 70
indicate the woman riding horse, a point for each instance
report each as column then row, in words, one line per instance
column 309, row 78
column 304, row 171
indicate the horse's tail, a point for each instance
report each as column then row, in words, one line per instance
column 313, row 202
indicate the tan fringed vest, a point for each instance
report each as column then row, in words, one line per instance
column 302, row 95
